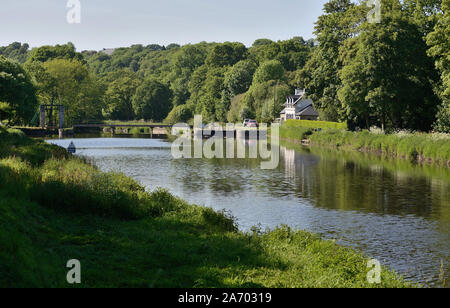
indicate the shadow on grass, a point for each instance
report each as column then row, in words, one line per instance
column 159, row 252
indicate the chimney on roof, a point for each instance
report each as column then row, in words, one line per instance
column 300, row 92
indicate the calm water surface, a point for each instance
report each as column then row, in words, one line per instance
column 394, row 211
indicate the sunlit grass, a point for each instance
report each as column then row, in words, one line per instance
column 433, row 148
column 416, row 146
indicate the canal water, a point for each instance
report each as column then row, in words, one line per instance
column 393, row 211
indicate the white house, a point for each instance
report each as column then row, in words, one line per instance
column 298, row 107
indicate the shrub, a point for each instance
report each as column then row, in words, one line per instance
column 164, row 202
column 139, row 130
column 14, row 143
column 179, row 114
column 298, row 133
column 74, row 186
column 442, row 124
column 223, row 220
column 16, row 175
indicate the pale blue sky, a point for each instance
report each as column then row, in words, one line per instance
column 119, row 23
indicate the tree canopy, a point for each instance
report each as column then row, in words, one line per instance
column 374, row 74
column 387, row 74
column 439, row 42
column 269, row 70
column 17, row 93
column 152, row 100
column 119, row 95
column 69, row 83
column 47, row 53
column 15, row 51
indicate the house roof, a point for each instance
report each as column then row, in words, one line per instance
column 303, row 107
column 308, row 111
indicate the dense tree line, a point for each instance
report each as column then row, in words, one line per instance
column 392, row 74
column 16, row 51
column 439, row 41
column 17, row 93
column 379, row 74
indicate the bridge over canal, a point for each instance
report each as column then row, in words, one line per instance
column 155, row 130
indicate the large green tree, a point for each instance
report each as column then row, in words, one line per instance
column 69, row 83
column 264, row 101
column 387, row 77
column 439, row 42
column 262, row 42
column 119, row 96
column 211, row 103
column 186, row 60
column 17, row 93
column 270, row 70
column 47, row 53
column 15, row 51
column 240, row 77
column 320, row 76
column 293, row 53
column 424, row 13
column 226, row 54
column 152, row 100
column 238, row 80
column 209, row 96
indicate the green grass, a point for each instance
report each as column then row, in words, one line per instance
column 416, row 147
column 60, row 208
column 314, row 124
column 296, row 134
column 421, row 147
column 14, row 143
column 298, row 130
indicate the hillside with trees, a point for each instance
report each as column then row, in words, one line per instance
column 392, row 74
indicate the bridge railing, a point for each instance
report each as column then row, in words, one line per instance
column 119, row 123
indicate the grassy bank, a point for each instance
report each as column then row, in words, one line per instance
column 420, row 147
column 54, row 208
column 369, row 160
